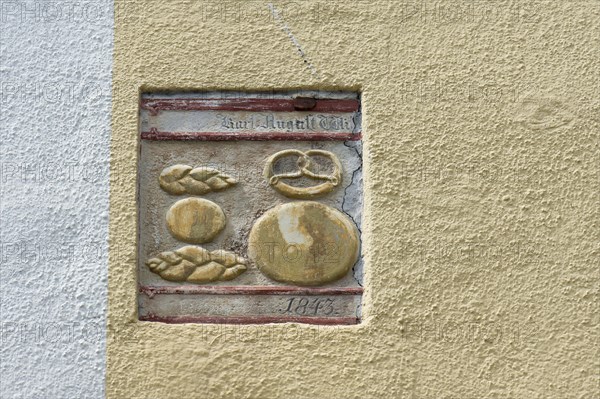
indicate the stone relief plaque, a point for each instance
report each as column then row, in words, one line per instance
column 250, row 208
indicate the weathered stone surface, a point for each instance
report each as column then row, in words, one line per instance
column 304, row 243
column 197, row 265
column 242, row 204
column 195, row 220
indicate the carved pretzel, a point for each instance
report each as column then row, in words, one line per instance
column 304, row 162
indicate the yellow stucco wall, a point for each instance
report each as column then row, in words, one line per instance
column 481, row 200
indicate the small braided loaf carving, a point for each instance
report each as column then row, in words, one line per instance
column 197, row 265
column 183, row 179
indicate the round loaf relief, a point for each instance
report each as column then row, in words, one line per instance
column 304, row 243
column 195, row 220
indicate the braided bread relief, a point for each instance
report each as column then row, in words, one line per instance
column 195, row 264
column 183, row 179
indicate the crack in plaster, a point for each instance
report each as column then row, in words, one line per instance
column 354, row 172
column 357, row 269
column 295, row 42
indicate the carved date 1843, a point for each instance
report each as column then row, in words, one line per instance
column 307, row 307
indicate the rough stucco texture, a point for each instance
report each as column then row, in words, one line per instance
column 481, row 198
column 54, row 152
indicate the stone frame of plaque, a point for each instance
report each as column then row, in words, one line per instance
column 250, row 207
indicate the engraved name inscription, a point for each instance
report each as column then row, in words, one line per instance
column 309, row 123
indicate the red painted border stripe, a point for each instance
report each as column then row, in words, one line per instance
column 246, row 290
column 246, row 104
column 251, row 319
column 250, row 136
